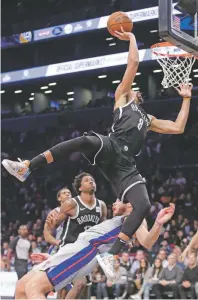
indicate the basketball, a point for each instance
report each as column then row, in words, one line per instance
column 117, row 20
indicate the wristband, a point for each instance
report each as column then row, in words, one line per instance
column 187, row 98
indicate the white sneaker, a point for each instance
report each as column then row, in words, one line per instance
column 17, row 169
column 107, row 264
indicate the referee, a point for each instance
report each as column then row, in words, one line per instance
column 21, row 247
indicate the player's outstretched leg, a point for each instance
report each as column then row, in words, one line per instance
column 38, row 286
column 138, row 197
column 22, row 169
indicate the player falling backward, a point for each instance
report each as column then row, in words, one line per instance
column 79, row 259
column 75, row 215
column 115, row 154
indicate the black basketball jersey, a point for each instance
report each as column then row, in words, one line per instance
column 130, row 127
column 84, row 219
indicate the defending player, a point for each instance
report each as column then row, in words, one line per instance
column 62, row 196
column 115, row 154
column 79, row 259
column 77, row 215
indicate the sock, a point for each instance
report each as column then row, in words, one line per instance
column 37, row 162
column 117, row 246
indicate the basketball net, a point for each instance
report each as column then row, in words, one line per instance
column 176, row 64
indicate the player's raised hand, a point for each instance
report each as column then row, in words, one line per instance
column 51, row 221
column 185, row 90
column 165, row 214
column 38, row 258
column 123, row 36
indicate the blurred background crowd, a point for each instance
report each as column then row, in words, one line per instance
column 139, row 271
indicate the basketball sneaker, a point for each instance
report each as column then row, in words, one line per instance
column 106, row 261
column 19, row 169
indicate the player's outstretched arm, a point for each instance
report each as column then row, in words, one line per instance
column 132, row 64
column 54, row 219
column 148, row 238
column 177, row 127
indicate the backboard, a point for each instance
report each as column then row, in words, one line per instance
column 178, row 28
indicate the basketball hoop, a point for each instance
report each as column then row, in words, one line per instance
column 176, row 63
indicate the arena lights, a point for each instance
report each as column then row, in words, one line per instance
column 136, row 89
column 196, row 75
column 45, row 87
column 157, row 71
column 195, row 70
column 102, row 76
column 52, row 84
column 134, row 83
column 138, row 73
column 109, row 39
column 112, row 44
column 153, row 31
column 116, row 81
column 2, row 92
column 48, row 92
column 70, row 99
column 32, row 94
column 70, row 93
column 31, row 98
column 18, row 91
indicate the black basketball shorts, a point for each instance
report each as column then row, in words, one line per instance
column 116, row 165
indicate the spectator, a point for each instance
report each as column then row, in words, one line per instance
column 173, row 227
column 125, row 261
column 162, row 256
column 190, row 277
column 119, row 285
column 179, row 238
column 4, row 249
column 98, row 284
column 169, row 279
column 41, row 244
column 177, row 251
column 22, row 247
column 139, row 276
column 35, row 249
column 166, row 237
column 180, row 179
column 136, row 263
column 151, row 278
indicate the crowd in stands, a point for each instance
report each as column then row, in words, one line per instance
column 140, row 273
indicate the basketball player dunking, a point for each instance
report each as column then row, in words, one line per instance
column 79, row 259
column 75, row 215
column 115, row 154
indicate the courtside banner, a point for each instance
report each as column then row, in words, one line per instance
column 87, row 64
column 75, row 27
column 94, row 63
column 72, row 28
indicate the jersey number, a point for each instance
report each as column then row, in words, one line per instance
column 140, row 124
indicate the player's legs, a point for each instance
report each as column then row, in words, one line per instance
column 78, row 287
column 38, row 286
column 20, row 286
column 62, row 294
column 85, row 144
column 139, row 199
